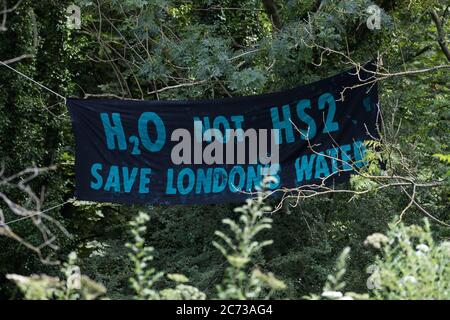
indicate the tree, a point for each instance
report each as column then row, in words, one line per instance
column 171, row 49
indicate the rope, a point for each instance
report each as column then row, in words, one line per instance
column 65, row 100
column 32, row 80
column 34, row 214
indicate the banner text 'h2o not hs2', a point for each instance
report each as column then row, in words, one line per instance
column 215, row 151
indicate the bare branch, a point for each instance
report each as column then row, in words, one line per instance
column 102, row 95
column 30, row 210
column 386, row 181
column 180, row 85
column 272, row 12
column 442, row 39
column 17, row 59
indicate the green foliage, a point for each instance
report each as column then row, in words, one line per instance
column 214, row 49
column 75, row 286
column 141, row 255
column 145, row 277
column 240, row 249
column 33, row 128
column 335, row 282
column 444, row 158
column 413, row 266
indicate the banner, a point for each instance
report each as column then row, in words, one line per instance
column 213, row 151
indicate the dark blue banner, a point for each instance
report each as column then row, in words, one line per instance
column 213, row 151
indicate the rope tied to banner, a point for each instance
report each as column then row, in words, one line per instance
column 65, row 100
column 34, row 81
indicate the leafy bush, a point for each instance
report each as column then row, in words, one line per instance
column 240, row 248
column 239, row 281
column 145, row 276
column 74, row 286
column 411, row 267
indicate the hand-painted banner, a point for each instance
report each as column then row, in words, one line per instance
column 212, row 151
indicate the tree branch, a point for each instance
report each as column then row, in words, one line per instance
column 441, row 34
column 31, row 211
column 17, row 59
column 272, row 12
